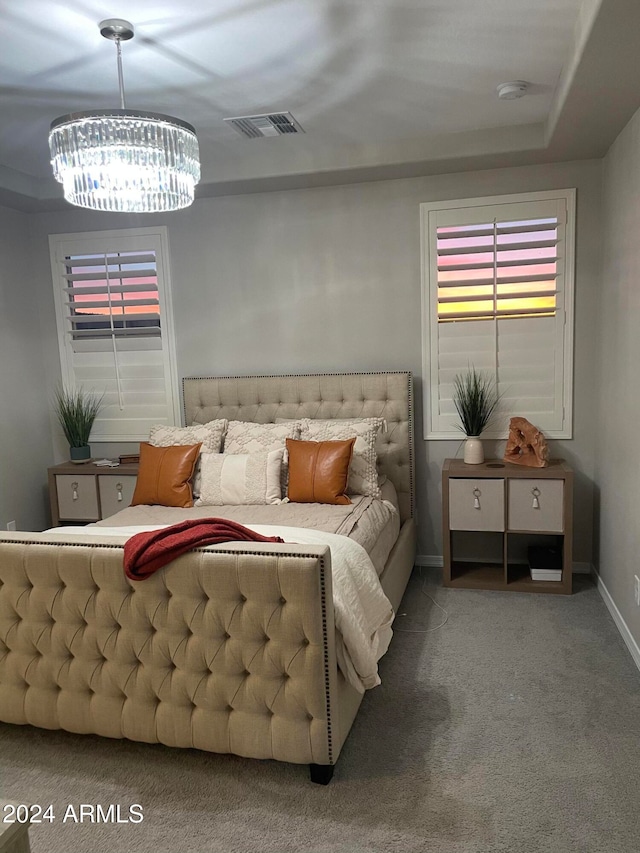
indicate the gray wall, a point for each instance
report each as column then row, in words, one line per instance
column 25, row 436
column 617, row 466
column 328, row 279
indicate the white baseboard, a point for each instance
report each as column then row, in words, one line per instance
column 429, row 561
column 433, row 561
column 621, row 625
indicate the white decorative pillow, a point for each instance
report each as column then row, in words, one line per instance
column 363, row 472
column 232, row 479
column 209, row 435
column 247, row 437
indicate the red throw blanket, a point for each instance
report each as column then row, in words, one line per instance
column 145, row 553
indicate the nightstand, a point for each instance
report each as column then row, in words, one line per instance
column 85, row 493
column 494, row 512
column 14, row 836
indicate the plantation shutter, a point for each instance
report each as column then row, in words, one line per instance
column 498, row 296
column 112, row 295
column 115, row 327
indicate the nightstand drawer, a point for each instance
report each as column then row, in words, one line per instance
column 476, row 504
column 115, row 493
column 536, row 505
column 77, row 497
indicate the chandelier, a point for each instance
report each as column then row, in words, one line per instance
column 123, row 160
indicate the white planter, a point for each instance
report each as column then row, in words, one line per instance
column 473, row 451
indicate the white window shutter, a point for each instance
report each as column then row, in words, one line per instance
column 111, row 295
column 498, row 296
column 115, row 327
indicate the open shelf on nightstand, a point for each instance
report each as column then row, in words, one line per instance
column 477, row 575
column 519, row 580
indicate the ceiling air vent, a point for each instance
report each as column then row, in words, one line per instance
column 270, row 124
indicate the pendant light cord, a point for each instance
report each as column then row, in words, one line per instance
column 120, row 75
column 116, row 362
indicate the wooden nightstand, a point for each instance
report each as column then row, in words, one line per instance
column 14, row 836
column 492, row 513
column 85, row 493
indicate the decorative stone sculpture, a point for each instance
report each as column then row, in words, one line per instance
column 526, row 445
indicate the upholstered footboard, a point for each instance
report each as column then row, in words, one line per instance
column 227, row 650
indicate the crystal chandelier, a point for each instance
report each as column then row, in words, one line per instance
column 123, row 160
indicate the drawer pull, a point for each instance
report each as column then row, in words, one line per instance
column 74, row 491
column 119, row 491
column 476, row 498
column 536, row 494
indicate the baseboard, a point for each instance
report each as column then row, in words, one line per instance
column 433, row 561
column 621, row 625
column 429, row 561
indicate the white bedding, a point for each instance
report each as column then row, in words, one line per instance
column 372, row 523
column 363, row 613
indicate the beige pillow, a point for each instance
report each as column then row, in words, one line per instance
column 287, row 421
column 233, row 479
column 209, row 435
column 247, row 437
column 363, row 472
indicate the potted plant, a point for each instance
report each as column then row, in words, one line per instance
column 475, row 397
column 76, row 410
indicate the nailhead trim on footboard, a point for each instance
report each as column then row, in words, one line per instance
column 225, row 650
column 325, row 645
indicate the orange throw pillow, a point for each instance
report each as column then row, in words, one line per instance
column 164, row 474
column 318, row 471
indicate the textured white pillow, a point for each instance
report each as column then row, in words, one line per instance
column 247, row 437
column 363, row 472
column 232, row 479
column 209, row 435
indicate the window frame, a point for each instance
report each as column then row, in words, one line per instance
column 117, row 240
column 429, row 313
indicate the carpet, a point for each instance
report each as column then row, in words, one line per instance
column 514, row 728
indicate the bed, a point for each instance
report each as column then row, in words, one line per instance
column 230, row 649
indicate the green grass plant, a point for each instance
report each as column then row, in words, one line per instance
column 76, row 410
column 476, row 398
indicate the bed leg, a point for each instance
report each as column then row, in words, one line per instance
column 321, row 774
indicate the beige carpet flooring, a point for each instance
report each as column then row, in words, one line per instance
column 515, row 728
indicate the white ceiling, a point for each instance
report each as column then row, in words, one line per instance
column 381, row 87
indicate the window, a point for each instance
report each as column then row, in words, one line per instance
column 498, row 296
column 115, row 327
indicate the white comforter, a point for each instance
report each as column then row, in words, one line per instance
column 363, row 613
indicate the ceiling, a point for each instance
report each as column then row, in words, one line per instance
column 383, row 88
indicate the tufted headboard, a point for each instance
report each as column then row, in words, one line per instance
column 262, row 399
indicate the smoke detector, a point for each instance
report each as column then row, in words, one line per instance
column 513, row 90
column 269, row 124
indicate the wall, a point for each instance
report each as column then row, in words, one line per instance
column 25, row 435
column 617, row 470
column 328, row 279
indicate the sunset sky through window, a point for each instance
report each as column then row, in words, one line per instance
column 131, row 292
column 501, row 269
